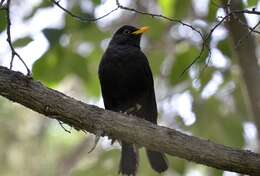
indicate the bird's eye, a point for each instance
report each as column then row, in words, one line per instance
column 126, row 31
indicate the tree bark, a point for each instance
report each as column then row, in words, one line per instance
column 244, row 48
column 32, row 94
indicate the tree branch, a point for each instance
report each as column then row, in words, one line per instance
column 9, row 40
column 32, row 94
column 80, row 18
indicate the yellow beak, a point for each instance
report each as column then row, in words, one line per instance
column 141, row 30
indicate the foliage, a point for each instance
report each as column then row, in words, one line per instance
column 37, row 146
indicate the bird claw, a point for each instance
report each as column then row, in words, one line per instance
column 63, row 127
column 113, row 140
column 135, row 108
column 138, row 106
column 97, row 137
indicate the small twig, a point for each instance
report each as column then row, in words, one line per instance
column 253, row 11
column 159, row 16
column 2, row 2
column 9, row 40
column 173, row 20
column 205, row 39
column 249, row 27
column 194, row 60
column 80, row 18
column 62, row 126
column 247, row 34
column 2, row 6
column 204, row 45
column 205, row 66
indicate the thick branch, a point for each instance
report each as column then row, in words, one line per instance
column 19, row 88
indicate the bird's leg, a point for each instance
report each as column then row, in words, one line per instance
column 135, row 108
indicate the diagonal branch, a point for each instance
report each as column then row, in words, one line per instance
column 32, row 94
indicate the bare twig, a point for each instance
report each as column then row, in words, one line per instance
column 173, row 20
column 159, row 16
column 9, row 40
column 80, row 18
column 2, row 2
column 62, row 126
column 194, row 60
column 204, row 38
column 253, row 11
column 251, row 30
column 120, row 6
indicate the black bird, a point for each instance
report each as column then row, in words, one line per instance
column 127, row 86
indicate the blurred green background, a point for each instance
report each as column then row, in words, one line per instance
column 64, row 54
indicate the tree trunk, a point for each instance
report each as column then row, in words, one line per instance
column 244, row 48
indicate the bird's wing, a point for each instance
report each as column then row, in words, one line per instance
column 127, row 84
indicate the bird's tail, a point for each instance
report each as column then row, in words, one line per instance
column 158, row 161
column 129, row 159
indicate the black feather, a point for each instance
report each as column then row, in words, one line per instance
column 127, row 86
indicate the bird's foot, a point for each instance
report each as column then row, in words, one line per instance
column 135, row 108
column 97, row 138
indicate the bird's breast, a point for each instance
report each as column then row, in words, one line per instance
column 121, row 68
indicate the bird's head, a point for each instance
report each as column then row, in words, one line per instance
column 128, row 35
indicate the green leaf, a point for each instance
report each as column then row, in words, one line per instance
column 71, row 23
column 22, row 42
column 224, row 47
column 47, row 69
column 212, row 12
column 42, row 5
column 183, row 58
column 157, row 28
column 181, row 8
column 175, row 8
column 52, row 35
column 252, row 3
column 92, row 33
column 206, row 76
column 167, row 7
column 105, row 164
column 220, row 124
column 96, row 2
column 156, row 57
column 3, row 21
column 91, row 82
column 179, row 165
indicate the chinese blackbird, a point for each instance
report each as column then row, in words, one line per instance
column 127, row 86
